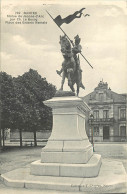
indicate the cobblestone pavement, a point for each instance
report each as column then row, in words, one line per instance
column 15, row 157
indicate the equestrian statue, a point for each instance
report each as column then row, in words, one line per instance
column 71, row 65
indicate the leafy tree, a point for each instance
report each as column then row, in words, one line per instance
column 32, row 90
column 7, row 101
column 22, row 103
column 19, row 110
column 0, row 124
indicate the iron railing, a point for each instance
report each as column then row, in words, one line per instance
column 100, row 120
column 110, row 139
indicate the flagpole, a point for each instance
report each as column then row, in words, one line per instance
column 86, row 60
column 58, row 25
column 69, row 39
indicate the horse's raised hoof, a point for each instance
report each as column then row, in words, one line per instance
column 82, row 86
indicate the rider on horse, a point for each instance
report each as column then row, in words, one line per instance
column 76, row 49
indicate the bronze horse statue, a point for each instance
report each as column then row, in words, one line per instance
column 70, row 66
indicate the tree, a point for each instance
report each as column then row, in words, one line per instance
column 32, row 90
column 0, row 116
column 19, row 110
column 22, row 103
column 7, row 101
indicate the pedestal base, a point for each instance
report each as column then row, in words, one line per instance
column 91, row 169
column 70, row 152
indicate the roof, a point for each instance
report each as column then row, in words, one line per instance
column 103, row 87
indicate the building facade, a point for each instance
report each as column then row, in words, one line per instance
column 108, row 121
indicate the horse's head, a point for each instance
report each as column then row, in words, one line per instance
column 65, row 47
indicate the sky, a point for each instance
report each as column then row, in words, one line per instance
column 103, row 38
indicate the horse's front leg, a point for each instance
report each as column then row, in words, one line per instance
column 78, row 82
column 70, row 83
column 80, row 79
column 77, row 89
column 63, row 80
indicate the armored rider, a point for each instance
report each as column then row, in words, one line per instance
column 76, row 49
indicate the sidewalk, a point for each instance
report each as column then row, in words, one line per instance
column 14, row 158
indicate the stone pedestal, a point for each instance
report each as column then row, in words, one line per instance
column 68, row 151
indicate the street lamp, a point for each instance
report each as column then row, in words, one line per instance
column 92, row 129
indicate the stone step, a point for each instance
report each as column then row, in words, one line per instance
column 90, row 169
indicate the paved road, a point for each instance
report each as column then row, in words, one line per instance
column 34, row 191
column 114, row 150
column 13, row 158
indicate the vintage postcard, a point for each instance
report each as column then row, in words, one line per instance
column 78, row 50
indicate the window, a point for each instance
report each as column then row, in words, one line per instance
column 122, row 114
column 123, row 131
column 96, row 114
column 105, row 114
column 96, row 131
column 101, row 96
